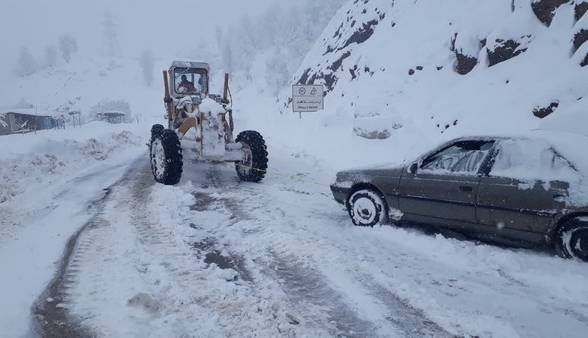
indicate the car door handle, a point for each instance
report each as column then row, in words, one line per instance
column 466, row 188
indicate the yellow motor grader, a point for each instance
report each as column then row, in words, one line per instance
column 190, row 106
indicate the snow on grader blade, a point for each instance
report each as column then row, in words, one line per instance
column 189, row 106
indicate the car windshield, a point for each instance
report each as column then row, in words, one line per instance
column 464, row 157
column 190, row 81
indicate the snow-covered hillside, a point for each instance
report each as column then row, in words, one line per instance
column 84, row 83
column 422, row 71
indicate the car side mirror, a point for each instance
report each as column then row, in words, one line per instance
column 413, row 168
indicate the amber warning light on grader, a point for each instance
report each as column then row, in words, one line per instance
column 307, row 98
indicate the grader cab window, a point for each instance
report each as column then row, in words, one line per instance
column 190, row 81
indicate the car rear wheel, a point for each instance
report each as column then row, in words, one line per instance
column 573, row 240
column 367, row 208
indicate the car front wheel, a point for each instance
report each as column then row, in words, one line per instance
column 367, row 208
column 573, row 240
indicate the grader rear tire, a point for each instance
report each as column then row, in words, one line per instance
column 254, row 167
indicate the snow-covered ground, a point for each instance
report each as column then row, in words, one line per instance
column 217, row 257
column 49, row 182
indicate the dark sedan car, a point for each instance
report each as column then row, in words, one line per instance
column 529, row 190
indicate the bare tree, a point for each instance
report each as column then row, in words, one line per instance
column 50, row 56
column 109, row 26
column 68, row 46
column 281, row 36
column 146, row 62
column 227, row 56
column 26, row 63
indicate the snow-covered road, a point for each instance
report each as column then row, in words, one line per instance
column 217, row 257
column 37, row 238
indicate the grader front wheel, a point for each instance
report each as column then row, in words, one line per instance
column 254, row 165
column 166, row 156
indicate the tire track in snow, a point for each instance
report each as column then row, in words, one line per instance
column 80, row 270
column 309, row 285
column 96, row 248
column 209, row 248
column 232, row 311
column 411, row 321
column 149, row 233
column 213, row 175
column 506, row 287
column 155, row 251
column 51, row 314
column 305, row 286
column 302, row 285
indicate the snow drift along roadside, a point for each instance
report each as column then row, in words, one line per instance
column 32, row 161
column 51, row 181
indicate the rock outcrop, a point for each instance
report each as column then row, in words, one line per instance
column 482, row 63
column 545, row 9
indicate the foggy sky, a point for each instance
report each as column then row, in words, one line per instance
column 165, row 26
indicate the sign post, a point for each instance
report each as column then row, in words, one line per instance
column 307, row 98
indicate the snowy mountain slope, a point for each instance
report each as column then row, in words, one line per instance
column 446, row 68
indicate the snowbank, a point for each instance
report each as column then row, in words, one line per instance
column 50, row 183
column 33, row 161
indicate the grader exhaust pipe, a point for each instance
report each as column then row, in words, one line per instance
column 169, row 107
column 226, row 97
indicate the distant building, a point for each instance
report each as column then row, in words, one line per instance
column 16, row 121
column 114, row 117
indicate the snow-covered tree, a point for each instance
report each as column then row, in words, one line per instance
column 68, row 46
column 280, row 37
column 23, row 103
column 26, row 64
column 146, row 62
column 227, row 56
column 50, row 56
column 277, row 72
column 109, row 29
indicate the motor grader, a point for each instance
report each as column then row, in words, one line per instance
column 190, row 107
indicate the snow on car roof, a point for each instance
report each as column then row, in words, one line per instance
column 566, row 144
column 572, row 146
